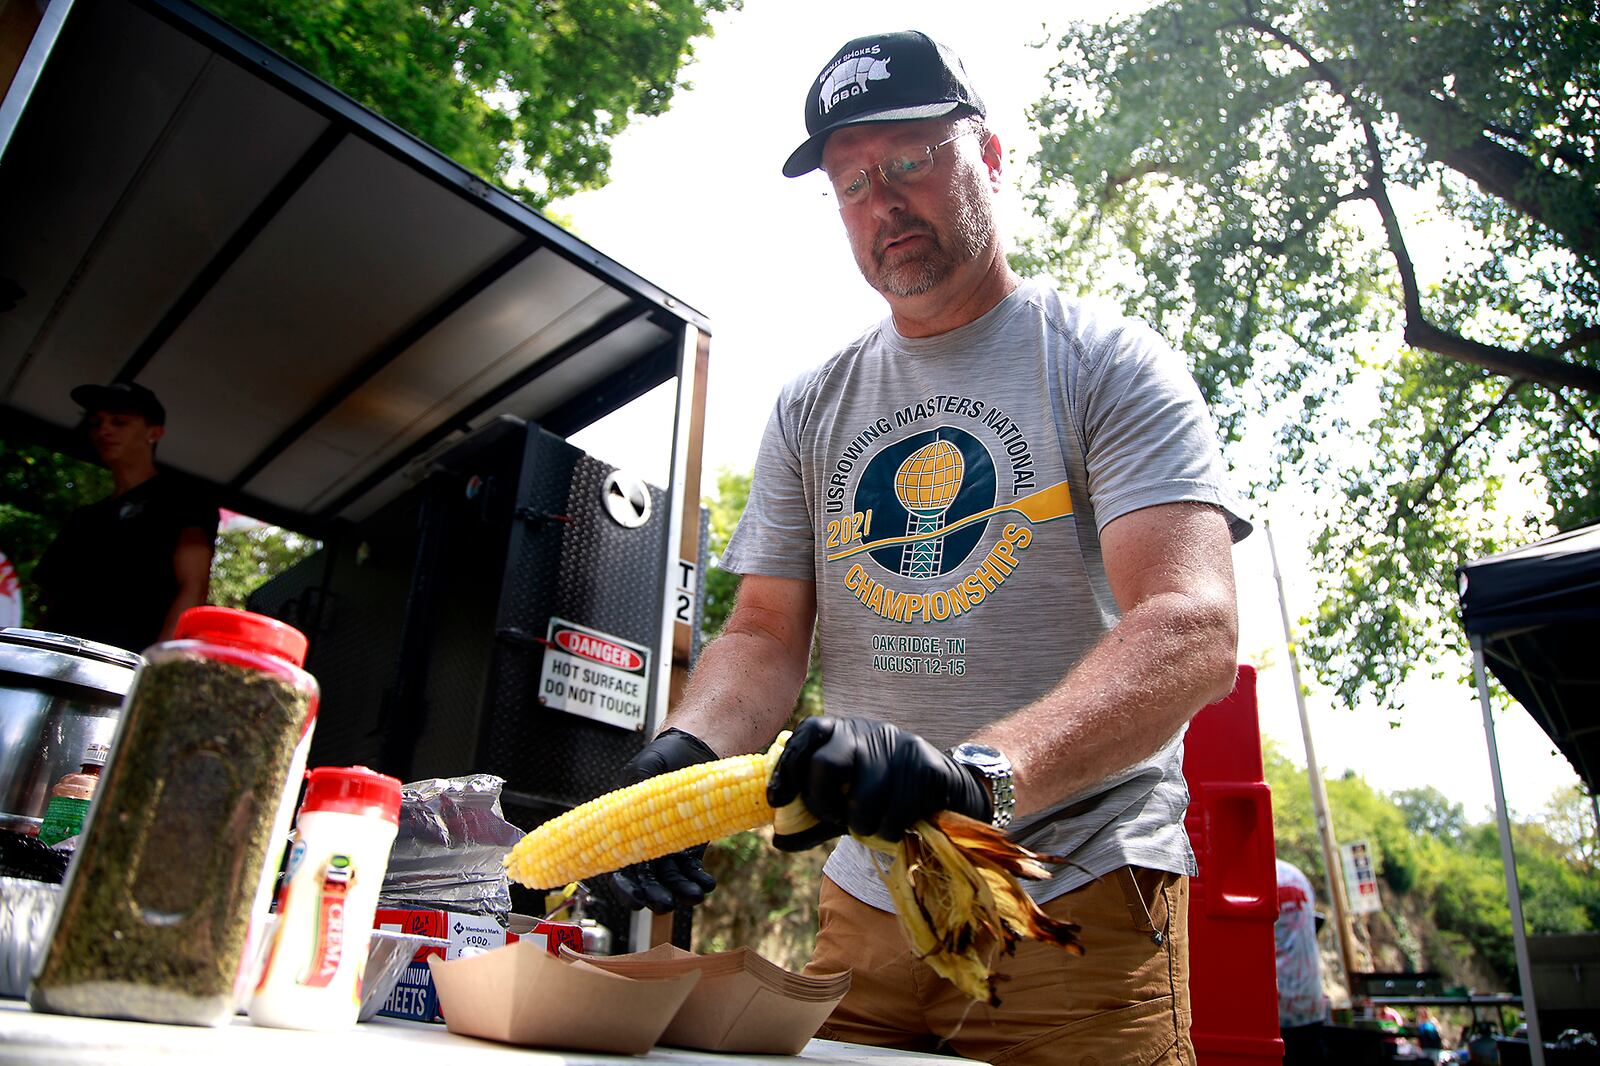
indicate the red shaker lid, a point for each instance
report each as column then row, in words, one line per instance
column 242, row 629
column 352, row 790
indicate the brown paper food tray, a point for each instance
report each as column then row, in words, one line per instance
column 743, row 1003
column 521, row 994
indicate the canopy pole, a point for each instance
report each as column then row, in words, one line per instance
column 1594, row 802
column 1519, row 932
column 1343, row 931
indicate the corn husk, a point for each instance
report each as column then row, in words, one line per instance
column 954, row 882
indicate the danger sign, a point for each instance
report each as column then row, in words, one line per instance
column 595, row 675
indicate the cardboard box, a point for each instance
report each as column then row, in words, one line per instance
column 414, row 996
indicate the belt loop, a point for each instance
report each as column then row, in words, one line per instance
column 1137, row 910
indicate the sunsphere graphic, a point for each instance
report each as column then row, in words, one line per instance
column 926, row 485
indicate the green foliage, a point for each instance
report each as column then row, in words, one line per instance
column 245, row 559
column 1294, row 822
column 38, row 489
column 1574, row 824
column 1229, row 169
column 498, row 86
column 1429, row 812
column 721, row 586
column 1427, row 851
column 766, row 899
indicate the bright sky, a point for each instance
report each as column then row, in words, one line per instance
column 698, row 206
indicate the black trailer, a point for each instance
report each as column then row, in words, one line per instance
column 360, row 340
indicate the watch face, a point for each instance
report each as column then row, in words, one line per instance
column 983, row 757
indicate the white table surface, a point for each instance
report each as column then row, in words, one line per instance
column 27, row 1037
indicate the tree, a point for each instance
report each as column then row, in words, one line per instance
column 1429, row 812
column 39, row 488
column 1571, row 821
column 1438, row 866
column 721, row 586
column 1257, row 177
column 510, row 89
column 245, row 559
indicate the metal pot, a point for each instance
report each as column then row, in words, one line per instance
column 58, row 695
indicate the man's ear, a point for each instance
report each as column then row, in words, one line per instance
column 992, row 157
column 156, row 433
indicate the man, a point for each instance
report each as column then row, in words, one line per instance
column 1004, row 514
column 123, row 568
column 1302, row 1008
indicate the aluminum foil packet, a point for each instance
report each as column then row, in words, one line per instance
column 448, row 850
column 27, row 908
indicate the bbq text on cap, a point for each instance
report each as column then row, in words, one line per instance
column 889, row 77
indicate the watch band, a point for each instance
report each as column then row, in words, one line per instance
column 997, row 769
column 1005, row 799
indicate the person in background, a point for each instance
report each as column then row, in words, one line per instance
column 123, row 568
column 1003, row 513
column 1302, row 1007
column 1429, row 1039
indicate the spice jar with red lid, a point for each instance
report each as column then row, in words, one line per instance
column 175, row 866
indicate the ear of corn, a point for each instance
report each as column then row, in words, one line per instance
column 649, row 819
column 953, row 880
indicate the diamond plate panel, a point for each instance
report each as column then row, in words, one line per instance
column 587, row 569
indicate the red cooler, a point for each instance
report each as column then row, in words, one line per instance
column 1234, row 901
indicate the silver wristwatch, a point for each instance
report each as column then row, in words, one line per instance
column 997, row 768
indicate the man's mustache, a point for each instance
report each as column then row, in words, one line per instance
column 901, row 227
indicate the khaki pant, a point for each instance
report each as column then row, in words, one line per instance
column 1124, row 1000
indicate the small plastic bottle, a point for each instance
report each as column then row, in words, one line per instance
column 70, row 798
column 312, row 975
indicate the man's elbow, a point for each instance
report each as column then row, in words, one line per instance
column 1211, row 627
column 1219, row 660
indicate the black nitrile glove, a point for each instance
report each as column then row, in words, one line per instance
column 676, row 880
column 862, row 776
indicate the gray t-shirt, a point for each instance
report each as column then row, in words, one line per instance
column 946, row 495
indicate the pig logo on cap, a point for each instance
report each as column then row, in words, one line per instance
column 850, row 77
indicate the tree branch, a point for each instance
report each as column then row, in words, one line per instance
column 1419, row 332
column 1314, row 219
column 1405, row 508
column 1580, row 339
column 1555, row 373
column 1577, row 415
column 1463, row 145
column 1566, row 153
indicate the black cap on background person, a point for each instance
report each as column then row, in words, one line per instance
column 122, row 397
column 887, row 77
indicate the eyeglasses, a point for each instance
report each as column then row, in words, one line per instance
column 907, row 168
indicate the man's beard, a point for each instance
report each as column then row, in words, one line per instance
column 919, row 271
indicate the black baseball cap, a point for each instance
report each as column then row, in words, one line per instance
column 888, row 77
column 121, row 396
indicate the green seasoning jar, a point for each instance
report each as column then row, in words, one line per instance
column 174, row 872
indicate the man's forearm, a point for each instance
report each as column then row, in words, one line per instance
column 742, row 691
column 190, row 594
column 191, row 566
column 1166, row 658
